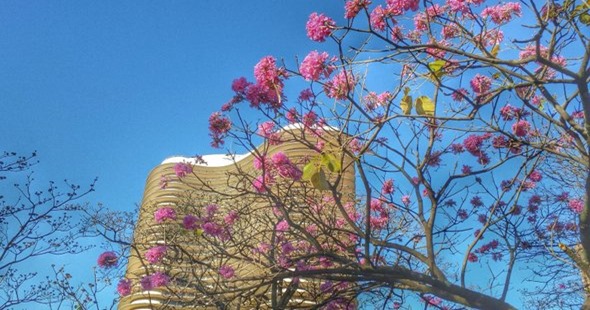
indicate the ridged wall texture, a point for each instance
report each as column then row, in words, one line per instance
column 251, row 244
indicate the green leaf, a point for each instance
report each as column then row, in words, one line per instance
column 495, row 50
column 331, row 162
column 425, row 106
column 583, row 12
column 310, row 169
column 437, row 65
column 319, row 181
column 406, row 104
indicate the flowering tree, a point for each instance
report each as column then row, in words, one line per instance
column 33, row 224
column 453, row 116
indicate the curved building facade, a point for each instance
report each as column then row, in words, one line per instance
column 238, row 223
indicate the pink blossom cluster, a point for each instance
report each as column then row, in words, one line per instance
column 450, row 31
column 227, row 271
column 282, row 226
column 268, row 75
column 163, row 214
column 481, row 84
column 157, row 279
column 285, row 167
column 404, row 5
column 156, row 254
column 374, row 100
column 124, row 287
column 406, row 200
column 576, row 205
column 306, row 95
column 353, row 7
column 340, row 85
column 521, row 128
column 387, row 187
column 460, row 94
column 509, row 112
column 315, row 66
column 267, row 131
column 492, row 245
column 474, row 145
column 183, row 169
column 502, row 13
column 278, row 165
column 219, row 126
column 107, row 259
column 319, row 27
column 535, row 176
column 190, row 222
column 490, row 37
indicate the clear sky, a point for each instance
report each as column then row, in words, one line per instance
column 109, row 89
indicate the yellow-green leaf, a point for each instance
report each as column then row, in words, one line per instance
column 406, row 104
column 310, row 169
column 437, row 65
column 319, row 181
column 331, row 162
column 424, row 106
column 495, row 50
column 198, row 232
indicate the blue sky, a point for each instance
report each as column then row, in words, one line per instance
column 109, row 89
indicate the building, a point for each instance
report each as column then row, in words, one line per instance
column 246, row 235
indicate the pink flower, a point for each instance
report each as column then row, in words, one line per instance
column 239, row 85
column 268, row 75
column 472, row 258
column 282, row 226
column 227, row 272
column 378, row 18
column 405, row 5
column 164, row 213
column 190, row 222
column 212, row 229
column 576, row 205
column 319, row 27
column 159, row 279
column 284, row 166
column 304, row 95
column 387, row 187
column 490, row 38
column 481, row 84
column 406, row 200
column 314, row 66
column 219, row 126
column 124, row 287
column 156, row 254
column 460, row 94
column 231, row 217
column 353, row 7
column 266, row 129
column 260, row 183
column 535, row 176
column 340, row 85
column 107, row 259
column 182, row 169
column 521, row 128
column 146, row 283
column 292, row 116
column 501, row 14
column 310, row 119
